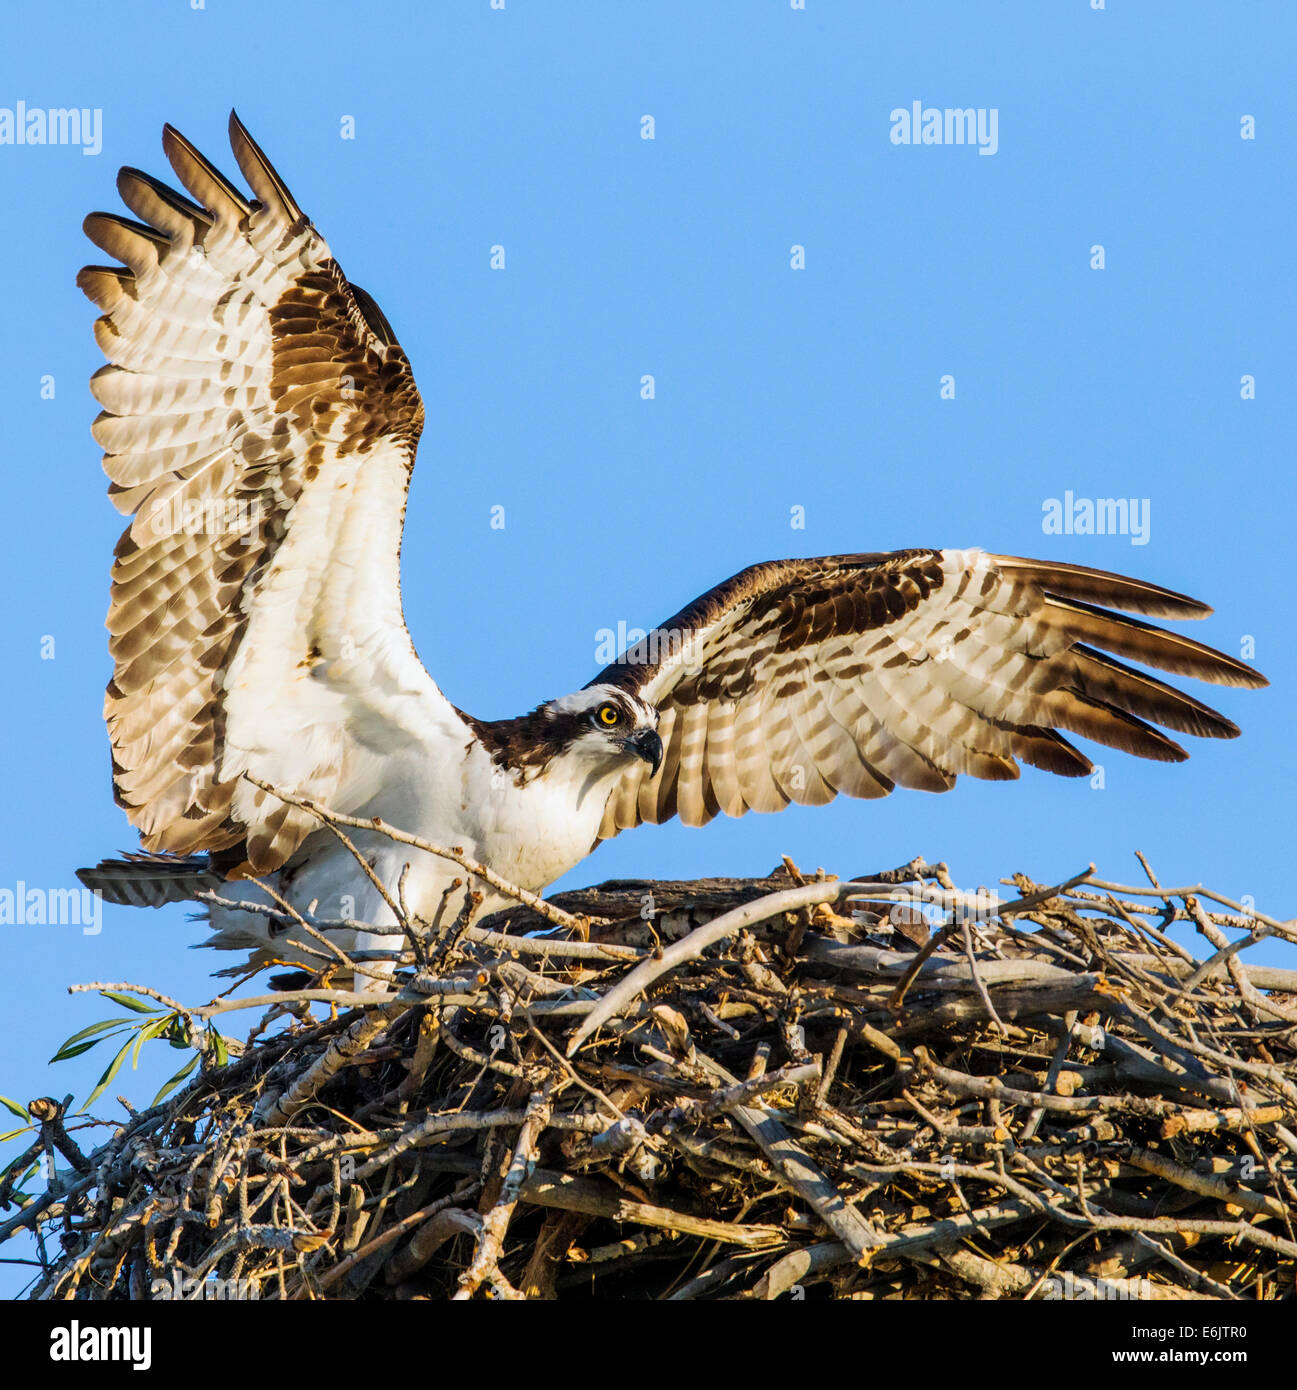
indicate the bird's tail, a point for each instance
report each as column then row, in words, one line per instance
column 150, row 880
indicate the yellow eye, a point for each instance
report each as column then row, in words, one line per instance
column 609, row 716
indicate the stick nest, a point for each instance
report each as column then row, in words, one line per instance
column 799, row 1087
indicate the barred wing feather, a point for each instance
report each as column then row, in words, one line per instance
column 260, row 423
column 797, row 680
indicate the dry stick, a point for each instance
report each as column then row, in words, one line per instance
column 570, row 1071
column 356, row 1040
column 1058, row 1259
column 443, row 1225
column 1205, row 1186
column 1163, row 1252
column 1172, row 951
column 343, row 958
column 347, row 999
column 992, row 1279
column 818, row 1259
column 469, row 1054
column 946, row 972
column 689, row 1111
column 343, row 998
column 380, row 1241
column 830, row 1069
column 1288, row 930
column 442, row 1126
column 560, row 950
column 938, row 938
column 333, row 822
column 122, row 987
column 1137, row 1063
column 445, row 940
column 1287, row 1138
column 992, row 1088
column 798, row 1172
column 693, row 945
column 456, row 855
column 996, row 1021
column 320, row 923
column 490, row 1242
column 1051, row 1077
column 954, row 900
column 50, row 1113
column 1187, row 1052
column 269, row 1112
column 1226, row 952
column 1043, row 895
column 1262, row 976
column 1230, row 1118
column 523, row 945
column 1242, row 1230
column 997, row 1280
column 720, row 1152
column 969, row 1134
column 545, row 1188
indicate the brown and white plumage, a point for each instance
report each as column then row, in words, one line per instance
column 799, row 679
column 260, row 425
column 253, row 391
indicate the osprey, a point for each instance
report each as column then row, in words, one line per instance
column 259, row 424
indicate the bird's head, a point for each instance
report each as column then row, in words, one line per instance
column 608, row 725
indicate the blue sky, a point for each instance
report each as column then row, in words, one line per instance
column 817, row 388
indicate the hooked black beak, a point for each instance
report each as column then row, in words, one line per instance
column 647, row 745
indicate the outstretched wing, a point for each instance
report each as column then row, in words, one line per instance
column 260, row 423
column 799, row 679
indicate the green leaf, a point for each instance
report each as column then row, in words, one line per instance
column 65, row 1051
column 19, row 1110
column 128, row 1001
column 13, row 1134
column 149, row 1030
column 109, row 1072
column 31, row 1168
column 178, row 1032
column 86, row 1033
column 176, row 1079
column 220, row 1053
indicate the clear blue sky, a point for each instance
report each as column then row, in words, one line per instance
column 775, row 388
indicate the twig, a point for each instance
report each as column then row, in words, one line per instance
column 334, row 819
column 490, row 1240
column 693, row 945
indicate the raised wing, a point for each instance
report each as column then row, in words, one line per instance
column 799, row 679
column 260, row 423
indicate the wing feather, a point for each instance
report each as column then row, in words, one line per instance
column 259, row 423
column 799, row 679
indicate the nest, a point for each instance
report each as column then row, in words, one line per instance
column 877, row 1087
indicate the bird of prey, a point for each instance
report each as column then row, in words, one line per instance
column 259, row 425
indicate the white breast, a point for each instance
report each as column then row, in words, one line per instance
column 530, row 834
